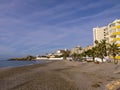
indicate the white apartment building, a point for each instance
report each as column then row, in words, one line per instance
column 114, row 32
column 99, row 33
column 110, row 33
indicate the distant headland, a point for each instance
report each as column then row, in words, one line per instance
column 29, row 57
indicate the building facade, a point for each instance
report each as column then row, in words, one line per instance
column 114, row 32
column 87, row 48
column 76, row 50
column 110, row 33
column 99, row 33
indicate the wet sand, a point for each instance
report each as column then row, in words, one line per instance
column 61, row 75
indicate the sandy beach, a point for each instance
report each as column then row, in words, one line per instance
column 62, row 75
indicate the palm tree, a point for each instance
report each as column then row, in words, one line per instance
column 113, row 50
column 93, row 53
column 100, row 48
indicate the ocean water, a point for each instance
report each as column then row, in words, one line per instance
column 6, row 63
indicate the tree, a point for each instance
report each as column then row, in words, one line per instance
column 93, row 53
column 113, row 50
column 66, row 54
column 101, row 49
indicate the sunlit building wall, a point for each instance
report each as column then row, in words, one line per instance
column 110, row 33
column 99, row 33
column 114, row 32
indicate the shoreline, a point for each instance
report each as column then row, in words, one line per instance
column 60, row 75
column 21, row 65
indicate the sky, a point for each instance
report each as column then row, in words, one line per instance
column 33, row 27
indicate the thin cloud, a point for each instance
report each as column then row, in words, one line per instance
column 95, row 16
column 79, row 8
column 27, row 27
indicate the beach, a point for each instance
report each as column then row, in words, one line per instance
column 61, row 75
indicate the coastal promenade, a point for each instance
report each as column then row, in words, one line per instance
column 61, row 75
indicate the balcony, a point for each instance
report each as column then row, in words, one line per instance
column 116, row 39
column 118, row 45
column 115, row 33
column 116, row 27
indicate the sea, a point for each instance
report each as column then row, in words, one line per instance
column 5, row 63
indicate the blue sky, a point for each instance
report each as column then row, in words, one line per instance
column 40, row 26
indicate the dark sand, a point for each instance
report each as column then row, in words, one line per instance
column 62, row 75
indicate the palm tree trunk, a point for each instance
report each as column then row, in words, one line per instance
column 93, row 60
